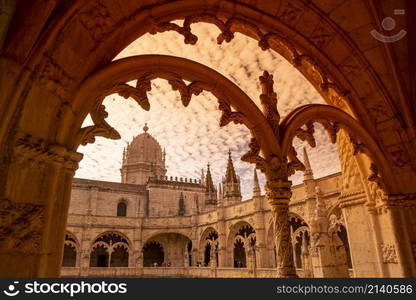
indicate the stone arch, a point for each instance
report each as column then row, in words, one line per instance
column 153, row 233
column 296, row 221
column 298, row 228
column 208, row 236
column 120, row 236
column 237, row 230
column 334, row 119
column 153, row 254
column 45, row 57
column 122, row 206
column 260, row 25
column 71, row 250
column 144, row 68
column 301, row 242
column 110, row 249
column 174, row 245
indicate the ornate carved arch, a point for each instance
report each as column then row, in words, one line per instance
column 144, row 68
column 333, row 119
column 205, row 237
column 70, row 237
column 116, row 233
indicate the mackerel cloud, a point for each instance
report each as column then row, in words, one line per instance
column 192, row 136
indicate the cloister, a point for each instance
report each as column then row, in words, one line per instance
column 57, row 66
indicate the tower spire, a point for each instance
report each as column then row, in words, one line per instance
column 307, row 174
column 230, row 176
column 209, row 183
column 256, row 186
column 231, row 183
column 210, row 191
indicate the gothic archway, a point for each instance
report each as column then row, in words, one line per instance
column 240, row 242
column 239, row 254
column 208, row 239
column 174, row 245
column 71, row 249
column 110, row 249
column 153, row 254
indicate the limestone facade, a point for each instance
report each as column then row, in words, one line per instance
column 173, row 223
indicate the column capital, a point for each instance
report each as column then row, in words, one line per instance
column 278, row 192
column 36, row 150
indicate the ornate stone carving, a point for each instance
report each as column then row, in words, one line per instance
column 21, row 226
column 55, row 79
column 332, row 129
column 97, row 20
column 87, row 134
column 278, row 194
column 375, row 177
column 29, row 148
column 357, row 146
column 314, row 71
column 307, row 134
column 228, row 115
column 389, row 253
column 252, row 156
column 289, row 13
column 186, row 91
column 268, row 100
column 189, row 38
column 350, row 173
column 294, row 163
column 138, row 93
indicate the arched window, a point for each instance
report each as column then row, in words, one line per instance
column 69, row 258
column 121, row 209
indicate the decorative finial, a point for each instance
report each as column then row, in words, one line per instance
column 145, row 128
column 229, row 152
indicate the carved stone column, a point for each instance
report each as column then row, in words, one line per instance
column 33, row 210
column 278, row 195
column 221, row 238
column 306, row 260
column 85, row 246
column 186, row 258
column 261, row 250
column 396, row 245
column 327, row 251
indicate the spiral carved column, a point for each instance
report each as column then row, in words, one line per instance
column 278, row 195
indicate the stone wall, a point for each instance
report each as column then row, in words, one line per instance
column 174, row 233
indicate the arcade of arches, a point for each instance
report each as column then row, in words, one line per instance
column 57, row 67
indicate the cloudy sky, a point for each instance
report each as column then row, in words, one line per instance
column 192, row 136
